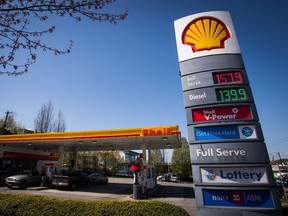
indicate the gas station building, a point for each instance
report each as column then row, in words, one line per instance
column 47, row 149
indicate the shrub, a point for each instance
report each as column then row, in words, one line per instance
column 22, row 205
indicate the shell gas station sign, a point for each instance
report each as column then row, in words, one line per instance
column 204, row 34
column 224, row 132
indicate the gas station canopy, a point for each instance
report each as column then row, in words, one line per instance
column 158, row 137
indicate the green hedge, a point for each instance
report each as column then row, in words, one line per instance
column 285, row 206
column 16, row 205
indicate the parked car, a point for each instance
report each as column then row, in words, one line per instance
column 3, row 176
column 71, row 180
column 188, row 179
column 280, row 180
column 169, row 177
column 98, row 178
column 24, row 179
column 160, row 178
column 175, row 178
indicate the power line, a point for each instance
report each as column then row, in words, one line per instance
column 278, row 141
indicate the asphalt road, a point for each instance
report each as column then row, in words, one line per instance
column 181, row 194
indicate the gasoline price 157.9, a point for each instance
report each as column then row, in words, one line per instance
column 232, row 94
column 227, row 77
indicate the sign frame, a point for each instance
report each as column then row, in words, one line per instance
column 207, row 43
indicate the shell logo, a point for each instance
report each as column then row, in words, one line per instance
column 155, row 132
column 205, row 33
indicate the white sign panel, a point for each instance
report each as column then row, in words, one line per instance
column 235, row 175
column 204, row 34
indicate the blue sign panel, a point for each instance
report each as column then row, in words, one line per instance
column 225, row 132
column 238, row 198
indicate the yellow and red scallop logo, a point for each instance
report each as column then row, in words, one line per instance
column 205, row 33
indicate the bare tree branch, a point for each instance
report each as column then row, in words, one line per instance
column 15, row 35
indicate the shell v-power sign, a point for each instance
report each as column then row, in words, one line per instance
column 229, row 158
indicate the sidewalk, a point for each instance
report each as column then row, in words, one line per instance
column 178, row 194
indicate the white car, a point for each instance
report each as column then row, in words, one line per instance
column 175, row 178
column 24, row 179
column 98, row 178
column 160, row 178
column 169, row 177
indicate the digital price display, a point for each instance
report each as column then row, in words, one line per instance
column 227, row 77
column 232, row 94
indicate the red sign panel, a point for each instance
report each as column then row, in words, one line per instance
column 227, row 113
column 19, row 155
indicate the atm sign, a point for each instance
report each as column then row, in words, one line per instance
column 221, row 113
column 238, row 198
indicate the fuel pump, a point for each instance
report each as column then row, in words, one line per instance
column 137, row 192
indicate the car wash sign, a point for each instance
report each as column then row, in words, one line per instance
column 223, row 126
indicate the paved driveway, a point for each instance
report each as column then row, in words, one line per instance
column 181, row 194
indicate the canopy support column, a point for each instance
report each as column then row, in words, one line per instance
column 61, row 159
column 76, row 157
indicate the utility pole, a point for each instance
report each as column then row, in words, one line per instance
column 5, row 121
column 281, row 178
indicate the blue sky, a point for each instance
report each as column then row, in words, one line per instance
column 127, row 75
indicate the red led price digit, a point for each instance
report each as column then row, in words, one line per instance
column 228, row 77
column 238, row 77
column 221, row 78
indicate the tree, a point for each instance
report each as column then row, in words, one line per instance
column 110, row 161
column 8, row 125
column 60, row 125
column 69, row 159
column 181, row 161
column 17, row 34
column 115, row 161
column 158, row 159
column 44, row 122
